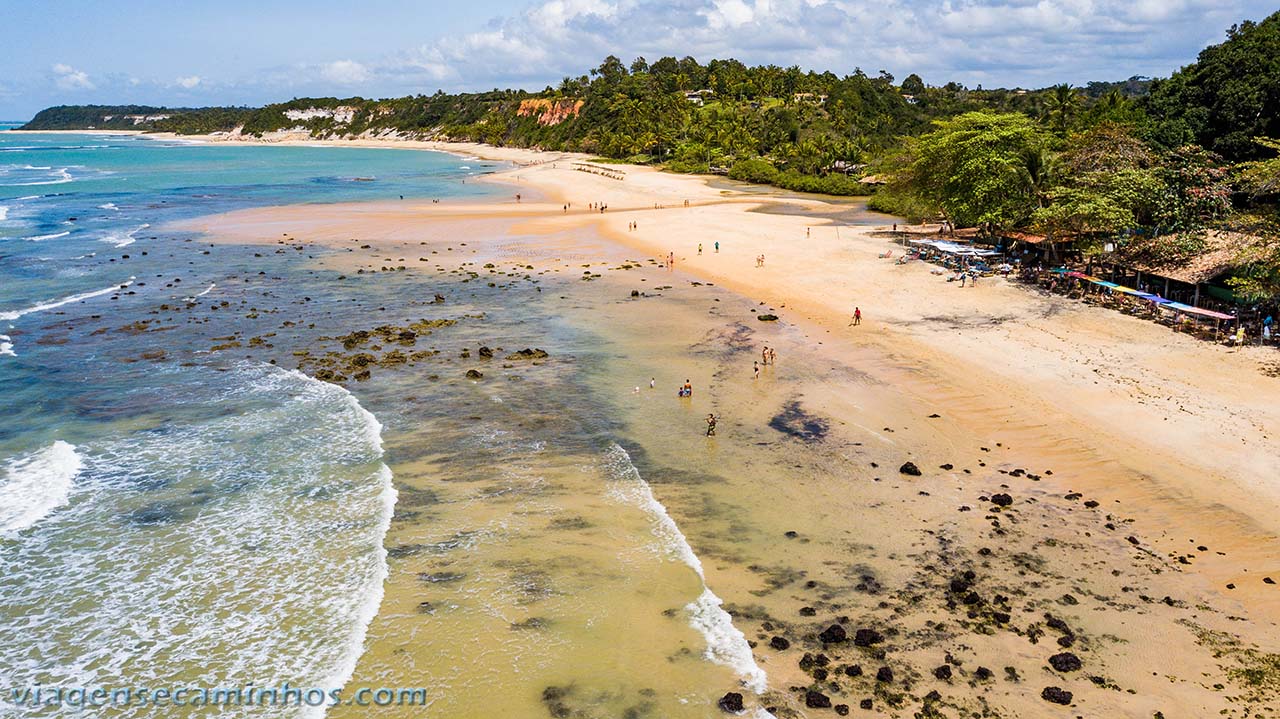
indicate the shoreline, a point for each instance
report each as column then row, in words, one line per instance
column 1038, row 382
column 904, row 346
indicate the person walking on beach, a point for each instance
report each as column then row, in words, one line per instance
column 773, row 356
column 711, row 425
column 717, row 247
column 756, row 370
column 688, row 389
column 857, row 317
column 699, row 249
column 764, row 355
column 653, row 382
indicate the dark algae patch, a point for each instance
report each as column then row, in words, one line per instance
column 794, row 421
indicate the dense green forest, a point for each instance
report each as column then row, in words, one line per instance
column 1147, row 163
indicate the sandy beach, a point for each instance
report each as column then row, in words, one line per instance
column 1089, row 483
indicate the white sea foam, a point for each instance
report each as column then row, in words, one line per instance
column 126, row 239
column 61, row 176
column 271, row 567
column 42, row 238
column 108, row 206
column 35, row 485
column 51, row 304
column 206, row 291
column 6, row 346
column 726, row 645
column 4, row 212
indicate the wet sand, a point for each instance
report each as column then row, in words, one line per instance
column 1132, row 469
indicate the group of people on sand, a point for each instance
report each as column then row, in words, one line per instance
column 767, row 357
column 671, row 260
column 759, row 260
column 597, row 206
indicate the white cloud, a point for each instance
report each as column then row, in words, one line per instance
column 997, row 42
column 345, row 72
column 69, row 78
column 188, row 82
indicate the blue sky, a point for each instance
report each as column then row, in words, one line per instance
column 239, row 52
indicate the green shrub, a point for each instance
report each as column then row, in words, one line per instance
column 754, row 170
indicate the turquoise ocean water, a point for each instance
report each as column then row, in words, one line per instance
column 164, row 519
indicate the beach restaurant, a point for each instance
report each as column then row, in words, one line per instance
column 1174, row 312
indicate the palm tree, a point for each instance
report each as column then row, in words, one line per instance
column 1061, row 105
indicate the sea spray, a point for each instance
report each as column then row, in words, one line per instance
column 34, row 485
column 726, row 645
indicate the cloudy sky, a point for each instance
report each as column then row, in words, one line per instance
column 252, row 52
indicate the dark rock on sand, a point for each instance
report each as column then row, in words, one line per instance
column 909, row 468
column 943, row 672
column 780, row 643
column 867, row 637
column 731, row 702
column 769, row 318
column 842, row 709
column 884, row 674
column 1001, row 500
column 808, row 611
column 984, row 674
column 1065, row 662
column 816, row 700
column 485, row 353
column 554, row 697
column 1056, row 695
column 833, row 634
column 1056, row 623
column 528, row 354
column 854, row 670
column 474, row 374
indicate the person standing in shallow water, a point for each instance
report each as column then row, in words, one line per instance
column 711, row 425
column 755, row 370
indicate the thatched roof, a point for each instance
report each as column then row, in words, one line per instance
column 1221, row 254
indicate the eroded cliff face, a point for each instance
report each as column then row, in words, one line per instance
column 549, row 112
